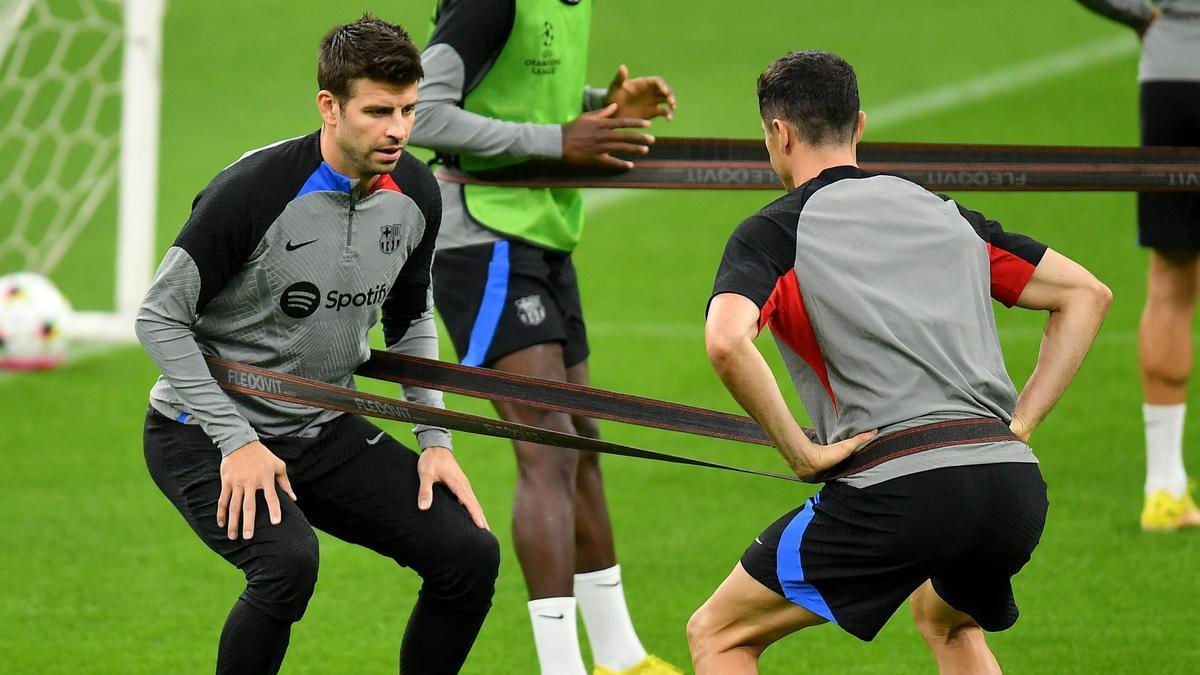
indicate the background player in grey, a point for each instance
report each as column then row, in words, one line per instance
column 288, row 258
column 877, row 293
column 504, row 83
column 1169, row 225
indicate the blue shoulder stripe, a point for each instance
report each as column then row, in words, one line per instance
column 324, row 179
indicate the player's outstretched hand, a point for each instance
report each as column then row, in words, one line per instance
column 244, row 472
column 641, row 97
column 589, row 138
column 817, row 459
column 437, row 465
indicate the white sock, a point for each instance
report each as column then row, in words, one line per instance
column 1164, row 448
column 615, row 644
column 555, row 637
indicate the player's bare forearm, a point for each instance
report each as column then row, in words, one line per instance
column 1077, row 303
column 729, row 340
column 749, row 379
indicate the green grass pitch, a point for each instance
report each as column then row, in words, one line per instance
column 98, row 573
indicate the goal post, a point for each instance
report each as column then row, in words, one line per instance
column 80, row 84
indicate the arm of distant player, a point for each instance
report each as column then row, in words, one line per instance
column 1136, row 14
column 729, row 339
column 1077, row 303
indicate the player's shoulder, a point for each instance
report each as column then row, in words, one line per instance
column 269, row 173
column 415, row 179
column 781, row 213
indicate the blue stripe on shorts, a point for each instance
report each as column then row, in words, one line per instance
column 790, row 568
column 494, row 293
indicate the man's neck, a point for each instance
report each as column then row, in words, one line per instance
column 334, row 158
column 809, row 162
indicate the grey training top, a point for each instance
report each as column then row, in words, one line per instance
column 878, row 293
column 467, row 37
column 1171, row 47
column 285, row 264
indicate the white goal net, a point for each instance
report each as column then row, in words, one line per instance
column 79, row 102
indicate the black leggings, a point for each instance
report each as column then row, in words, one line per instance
column 360, row 485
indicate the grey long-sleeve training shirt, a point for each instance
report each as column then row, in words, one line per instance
column 285, row 264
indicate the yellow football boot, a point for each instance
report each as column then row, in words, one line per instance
column 1164, row 512
column 651, row 665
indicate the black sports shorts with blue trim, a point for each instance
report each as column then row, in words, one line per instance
column 1170, row 115
column 502, row 297
column 853, row 555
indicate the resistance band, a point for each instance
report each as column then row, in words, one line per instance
column 572, row 399
column 243, row 379
column 733, row 164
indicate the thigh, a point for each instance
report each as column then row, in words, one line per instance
column 849, row 555
column 742, row 612
column 565, row 286
column 186, row 466
column 369, row 498
column 1170, row 116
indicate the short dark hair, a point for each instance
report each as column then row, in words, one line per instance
column 816, row 91
column 371, row 48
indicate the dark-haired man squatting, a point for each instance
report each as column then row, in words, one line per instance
column 879, row 295
column 289, row 257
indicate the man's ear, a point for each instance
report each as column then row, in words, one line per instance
column 860, row 126
column 786, row 135
column 328, row 106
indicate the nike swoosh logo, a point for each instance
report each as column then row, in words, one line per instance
column 759, row 541
column 551, row 616
column 292, row 247
column 615, row 583
column 373, row 441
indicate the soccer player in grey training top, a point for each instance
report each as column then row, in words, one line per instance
column 288, row 258
column 879, row 295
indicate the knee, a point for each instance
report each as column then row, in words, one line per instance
column 548, row 468
column 282, row 583
column 586, row 427
column 702, row 634
column 941, row 631
column 466, row 574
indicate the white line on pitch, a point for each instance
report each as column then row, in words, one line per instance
column 1004, row 81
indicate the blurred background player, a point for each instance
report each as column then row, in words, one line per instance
column 879, row 296
column 1169, row 225
column 505, row 82
column 258, row 275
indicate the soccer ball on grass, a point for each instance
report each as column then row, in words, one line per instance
column 32, row 314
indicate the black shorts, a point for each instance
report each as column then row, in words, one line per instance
column 1170, row 115
column 853, row 555
column 502, row 297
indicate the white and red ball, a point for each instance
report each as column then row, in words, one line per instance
column 32, row 314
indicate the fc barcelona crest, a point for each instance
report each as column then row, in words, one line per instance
column 389, row 238
column 530, row 310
